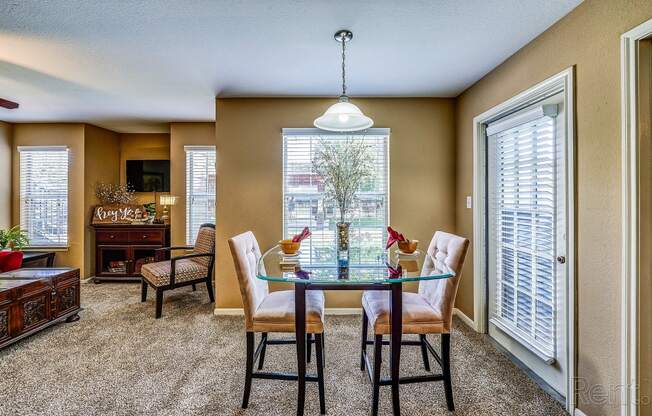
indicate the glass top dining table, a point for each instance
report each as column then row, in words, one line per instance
column 388, row 266
column 388, row 271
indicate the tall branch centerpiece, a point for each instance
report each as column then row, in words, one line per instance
column 344, row 165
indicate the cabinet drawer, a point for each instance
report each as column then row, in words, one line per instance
column 109, row 236
column 154, row 237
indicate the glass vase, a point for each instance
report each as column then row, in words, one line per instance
column 343, row 244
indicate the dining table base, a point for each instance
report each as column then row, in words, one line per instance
column 396, row 329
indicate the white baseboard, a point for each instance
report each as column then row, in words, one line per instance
column 228, row 312
column 328, row 311
column 468, row 321
column 578, row 412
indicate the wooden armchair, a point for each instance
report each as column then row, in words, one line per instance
column 185, row 270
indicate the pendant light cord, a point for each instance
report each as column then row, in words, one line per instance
column 343, row 66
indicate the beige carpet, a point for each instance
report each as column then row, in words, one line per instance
column 119, row 360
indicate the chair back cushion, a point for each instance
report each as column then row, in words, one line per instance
column 246, row 253
column 205, row 243
column 445, row 250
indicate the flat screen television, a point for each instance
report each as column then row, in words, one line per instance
column 149, row 175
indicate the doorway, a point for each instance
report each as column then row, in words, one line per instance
column 524, row 231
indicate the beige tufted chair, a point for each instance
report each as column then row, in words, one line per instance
column 429, row 311
column 267, row 311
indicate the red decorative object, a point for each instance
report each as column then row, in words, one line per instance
column 393, row 237
column 300, row 237
column 10, row 260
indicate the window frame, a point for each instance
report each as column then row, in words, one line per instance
column 188, row 149
column 21, row 212
column 318, row 132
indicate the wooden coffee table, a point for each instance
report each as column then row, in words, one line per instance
column 34, row 299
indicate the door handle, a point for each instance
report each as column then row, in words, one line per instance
column 561, row 259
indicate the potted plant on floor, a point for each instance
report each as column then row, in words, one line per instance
column 344, row 165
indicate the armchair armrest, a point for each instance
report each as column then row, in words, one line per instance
column 159, row 253
column 175, row 248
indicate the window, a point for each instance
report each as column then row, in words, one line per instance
column 522, row 226
column 44, row 195
column 200, row 189
column 304, row 204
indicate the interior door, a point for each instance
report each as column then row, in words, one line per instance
column 526, row 235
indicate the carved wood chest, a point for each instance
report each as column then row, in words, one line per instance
column 33, row 299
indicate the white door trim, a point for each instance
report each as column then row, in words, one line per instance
column 563, row 80
column 630, row 242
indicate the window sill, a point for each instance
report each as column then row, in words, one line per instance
column 46, row 248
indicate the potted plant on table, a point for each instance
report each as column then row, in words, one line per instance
column 13, row 239
column 344, row 165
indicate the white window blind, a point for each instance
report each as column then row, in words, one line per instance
column 522, row 228
column 200, row 189
column 304, row 204
column 44, row 195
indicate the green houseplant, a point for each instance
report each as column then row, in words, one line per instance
column 344, row 165
column 13, row 239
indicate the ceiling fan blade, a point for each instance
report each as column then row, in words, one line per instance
column 8, row 104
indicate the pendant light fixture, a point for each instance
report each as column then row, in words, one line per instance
column 343, row 116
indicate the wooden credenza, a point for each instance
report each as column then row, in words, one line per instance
column 120, row 250
column 34, row 299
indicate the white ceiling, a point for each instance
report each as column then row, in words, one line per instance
column 132, row 65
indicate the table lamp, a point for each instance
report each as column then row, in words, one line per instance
column 167, row 200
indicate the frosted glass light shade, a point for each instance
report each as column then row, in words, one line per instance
column 343, row 116
column 168, row 200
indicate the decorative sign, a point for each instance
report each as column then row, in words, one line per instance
column 118, row 214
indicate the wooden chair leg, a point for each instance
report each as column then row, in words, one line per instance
column 209, row 286
column 159, row 302
column 249, row 370
column 446, row 367
column 194, row 287
column 143, row 290
column 261, row 358
column 424, row 352
column 319, row 351
column 308, row 347
column 378, row 361
column 363, row 346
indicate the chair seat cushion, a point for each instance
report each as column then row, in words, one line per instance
column 276, row 312
column 158, row 274
column 419, row 316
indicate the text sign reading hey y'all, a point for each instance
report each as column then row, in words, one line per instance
column 118, row 214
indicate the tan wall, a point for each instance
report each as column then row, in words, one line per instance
column 71, row 135
column 102, row 164
column 587, row 38
column 145, row 146
column 6, row 139
column 184, row 134
column 249, row 171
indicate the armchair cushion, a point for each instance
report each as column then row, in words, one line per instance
column 158, row 274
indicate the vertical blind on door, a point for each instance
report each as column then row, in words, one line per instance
column 200, row 189
column 522, row 227
column 304, row 204
column 44, row 195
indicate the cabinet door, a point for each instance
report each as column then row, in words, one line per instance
column 67, row 297
column 141, row 255
column 113, row 260
column 34, row 309
column 5, row 319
